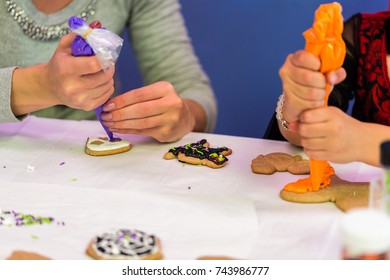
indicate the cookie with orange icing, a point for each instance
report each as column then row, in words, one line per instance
column 346, row 195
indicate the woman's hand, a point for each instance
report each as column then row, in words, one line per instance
column 303, row 85
column 155, row 110
column 332, row 135
column 78, row 82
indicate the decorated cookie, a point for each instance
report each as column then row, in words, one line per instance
column 346, row 195
column 280, row 162
column 23, row 255
column 102, row 146
column 125, row 244
column 200, row 153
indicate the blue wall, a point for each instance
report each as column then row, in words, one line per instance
column 241, row 45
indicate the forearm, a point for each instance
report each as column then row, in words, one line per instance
column 371, row 138
column 28, row 92
column 198, row 113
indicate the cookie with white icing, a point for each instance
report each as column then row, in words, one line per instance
column 125, row 244
column 102, row 146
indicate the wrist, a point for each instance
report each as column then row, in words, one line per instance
column 279, row 112
column 197, row 116
column 28, row 93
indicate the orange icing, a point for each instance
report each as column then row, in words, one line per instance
column 305, row 185
column 324, row 39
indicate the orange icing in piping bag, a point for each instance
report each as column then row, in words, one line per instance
column 325, row 40
column 305, row 185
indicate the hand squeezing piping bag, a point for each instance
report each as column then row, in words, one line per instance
column 94, row 40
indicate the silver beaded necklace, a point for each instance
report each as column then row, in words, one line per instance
column 39, row 31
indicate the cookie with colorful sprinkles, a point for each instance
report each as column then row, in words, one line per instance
column 200, row 153
column 125, row 244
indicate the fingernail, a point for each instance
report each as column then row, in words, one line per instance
column 109, row 107
column 108, row 123
column 332, row 78
column 106, row 116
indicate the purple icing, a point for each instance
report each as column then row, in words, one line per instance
column 98, row 112
column 80, row 47
column 75, row 22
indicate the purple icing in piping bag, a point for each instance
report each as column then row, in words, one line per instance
column 98, row 112
column 80, row 47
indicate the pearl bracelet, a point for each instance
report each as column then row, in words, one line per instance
column 279, row 112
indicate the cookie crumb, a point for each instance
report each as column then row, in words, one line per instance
column 30, row 168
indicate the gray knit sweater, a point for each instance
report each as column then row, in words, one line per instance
column 159, row 40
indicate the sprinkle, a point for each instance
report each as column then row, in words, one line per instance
column 12, row 218
column 4, row 166
column 30, row 168
column 73, row 180
column 189, row 187
column 34, row 237
column 62, row 163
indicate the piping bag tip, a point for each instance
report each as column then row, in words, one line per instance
column 98, row 112
column 317, row 170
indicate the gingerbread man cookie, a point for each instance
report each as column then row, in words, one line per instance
column 280, row 162
column 200, row 153
column 125, row 244
column 102, row 146
column 346, row 195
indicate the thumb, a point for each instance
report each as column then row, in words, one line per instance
column 337, row 76
column 66, row 41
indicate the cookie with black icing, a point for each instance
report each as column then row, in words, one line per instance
column 125, row 244
column 200, row 153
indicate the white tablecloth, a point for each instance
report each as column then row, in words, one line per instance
column 194, row 210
